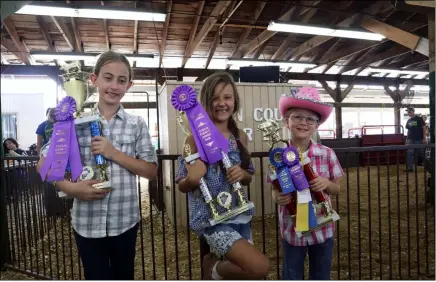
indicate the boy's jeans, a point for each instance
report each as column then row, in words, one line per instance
column 320, row 260
column 413, row 155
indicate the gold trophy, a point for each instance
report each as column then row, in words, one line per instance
column 223, row 199
column 76, row 85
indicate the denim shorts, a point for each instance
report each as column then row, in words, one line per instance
column 221, row 237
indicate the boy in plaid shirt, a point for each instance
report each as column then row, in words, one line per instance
column 303, row 113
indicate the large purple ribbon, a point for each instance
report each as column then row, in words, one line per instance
column 209, row 140
column 64, row 148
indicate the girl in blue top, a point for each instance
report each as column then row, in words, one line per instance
column 231, row 239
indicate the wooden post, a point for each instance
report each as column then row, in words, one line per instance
column 338, row 96
column 338, row 111
column 397, row 117
column 431, row 64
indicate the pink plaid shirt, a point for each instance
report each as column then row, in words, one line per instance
column 325, row 164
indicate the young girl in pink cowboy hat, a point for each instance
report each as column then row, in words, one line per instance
column 303, row 113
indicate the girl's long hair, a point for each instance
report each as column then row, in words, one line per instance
column 206, row 97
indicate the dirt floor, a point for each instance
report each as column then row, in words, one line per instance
column 396, row 231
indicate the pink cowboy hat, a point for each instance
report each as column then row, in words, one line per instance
column 306, row 98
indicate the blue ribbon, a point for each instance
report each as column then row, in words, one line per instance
column 283, row 174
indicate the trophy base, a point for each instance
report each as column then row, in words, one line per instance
column 86, row 120
column 229, row 214
column 62, row 195
column 321, row 221
column 102, row 185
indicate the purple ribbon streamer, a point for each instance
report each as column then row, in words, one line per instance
column 63, row 149
column 206, row 135
column 209, row 140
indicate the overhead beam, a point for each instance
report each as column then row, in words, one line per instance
column 212, row 49
column 163, row 42
column 219, row 9
column 319, row 39
column 63, row 29
column 278, row 55
column 393, row 52
column 430, row 4
column 264, row 36
column 10, row 46
column 246, row 32
column 76, row 33
column 407, row 39
column 146, row 73
column 218, row 36
column 259, row 51
column 194, row 28
column 22, row 51
column 106, row 32
column 44, row 30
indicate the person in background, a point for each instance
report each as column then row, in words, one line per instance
column 44, row 130
column 11, row 148
column 416, row 134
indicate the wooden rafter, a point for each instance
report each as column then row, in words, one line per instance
column 194, row 28
column 259, row 50
column 219, row 33
column 63, row 29
column 264, row 36
column 165, row 32
column 388, row 54
column 355, row 49
column 45, row 33
column 10, row 46
column 22, row 51
column 318, row 40
column 220, row 7
column 106, row 32
column 246, row 32
column 77, row 37
column 306, row 15
column 407, row 39
column 427, row 3
column 212, row 48
column 349, row 60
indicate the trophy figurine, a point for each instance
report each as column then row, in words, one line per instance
column 211, row 148
column 63, row 157
column 278, row 172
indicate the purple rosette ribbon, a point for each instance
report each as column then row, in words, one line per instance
column 292, row 159
column 64, row 149
column 209, row 140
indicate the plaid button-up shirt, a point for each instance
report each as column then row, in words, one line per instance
column 119, row 210
column 325, row 164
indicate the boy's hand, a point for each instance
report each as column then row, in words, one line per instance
column 319, row 184
column 196, row 171
column 102, row 146
column 280, row 198
column 235, row 174
column 84, row 191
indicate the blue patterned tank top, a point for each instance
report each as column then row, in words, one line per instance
column 199, row 213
